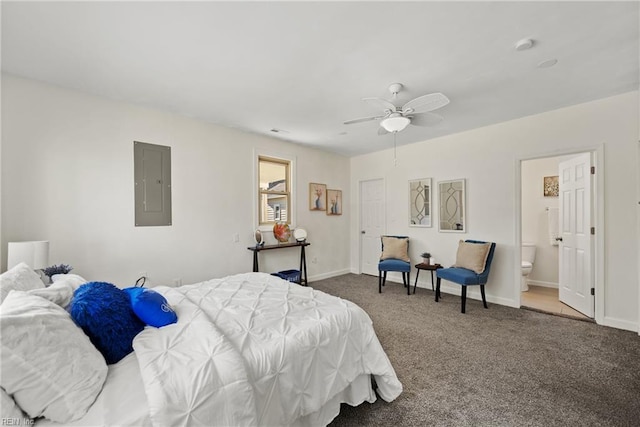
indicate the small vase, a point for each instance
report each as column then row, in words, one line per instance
column 426, row 261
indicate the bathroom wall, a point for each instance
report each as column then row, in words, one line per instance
column 534, row 219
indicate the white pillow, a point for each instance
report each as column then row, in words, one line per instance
column 62, row 289
column 48, row 364
column 21, row 278
column 69, row 277
column 9, row 409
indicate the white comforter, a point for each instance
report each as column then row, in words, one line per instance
column 252, row 349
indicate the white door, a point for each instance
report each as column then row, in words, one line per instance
column 576, row 256
column 371, row 224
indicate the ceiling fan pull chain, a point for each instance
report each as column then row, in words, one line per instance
column 395, row 158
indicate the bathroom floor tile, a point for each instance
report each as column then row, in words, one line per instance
column 546, row 299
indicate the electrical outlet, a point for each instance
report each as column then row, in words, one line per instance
column 314, row 260
column 236, row 237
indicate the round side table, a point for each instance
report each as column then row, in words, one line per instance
column 428, row 267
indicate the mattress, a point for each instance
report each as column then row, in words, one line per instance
column 248, row 349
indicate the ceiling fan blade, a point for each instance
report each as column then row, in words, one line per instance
column 380, row 103
column 426, row 119
column 382, row 131
column 364, row 119
column 425, row 103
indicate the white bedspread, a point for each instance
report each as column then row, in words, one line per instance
column 252, row 349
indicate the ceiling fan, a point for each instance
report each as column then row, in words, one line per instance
column 416, row 112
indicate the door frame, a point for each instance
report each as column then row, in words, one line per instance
column 384, row 220
column 597, row 203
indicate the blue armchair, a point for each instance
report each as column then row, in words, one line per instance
column 465, row 277
column 395, row 257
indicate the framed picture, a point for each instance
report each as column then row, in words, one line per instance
column 317, row 197
column 451, row 203
column 420, row 202
column 551, row 188
column 334, row 202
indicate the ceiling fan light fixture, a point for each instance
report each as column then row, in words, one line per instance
column 416, row 112
column 395, row 123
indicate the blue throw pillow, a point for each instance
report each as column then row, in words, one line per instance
column 104, row 313
column 151, row 307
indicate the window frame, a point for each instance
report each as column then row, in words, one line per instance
column 289, row 162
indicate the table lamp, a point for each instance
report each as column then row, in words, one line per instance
column 34, row 254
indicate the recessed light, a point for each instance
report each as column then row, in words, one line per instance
column 548, row 63
column 524, row 44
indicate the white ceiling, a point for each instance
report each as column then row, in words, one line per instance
column 303, row 67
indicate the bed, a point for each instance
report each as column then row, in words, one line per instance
column 248, row 349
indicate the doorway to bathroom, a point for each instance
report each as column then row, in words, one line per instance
column 557, row 216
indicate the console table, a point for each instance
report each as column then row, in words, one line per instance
column 303, row 258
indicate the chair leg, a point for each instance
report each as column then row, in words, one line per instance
column 408, row 283
column 437, row 289
column 379, row 281
column 464, row 298
column 484, row 298
column 384, row 278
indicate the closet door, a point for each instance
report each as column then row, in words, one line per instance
column 372, row 219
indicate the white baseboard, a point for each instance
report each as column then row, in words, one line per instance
column 328, row 275
column 620, row 324
column 473, row 292
column 543, row 284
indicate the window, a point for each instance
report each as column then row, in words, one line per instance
column 274, row 190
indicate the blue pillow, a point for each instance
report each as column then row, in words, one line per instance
column 104, row 313
column 151, row 307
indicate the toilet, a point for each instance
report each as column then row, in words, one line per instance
column 528, row 258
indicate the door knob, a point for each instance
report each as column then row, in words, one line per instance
column 363, row 232
column 558, row 239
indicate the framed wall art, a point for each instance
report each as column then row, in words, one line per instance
column 420, row 202
column 317, row 197
column 452, row 206
column 550, row 186
column 334, row 202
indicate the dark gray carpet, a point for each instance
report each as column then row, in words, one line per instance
column 492, row 367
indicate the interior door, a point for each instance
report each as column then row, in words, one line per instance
column 576, row 255
column 372, row 205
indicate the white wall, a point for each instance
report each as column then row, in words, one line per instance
column 67, row 177
column 535, row 227
column 487, row 158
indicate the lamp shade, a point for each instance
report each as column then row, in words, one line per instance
column 34, row 254
column 395, row 123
